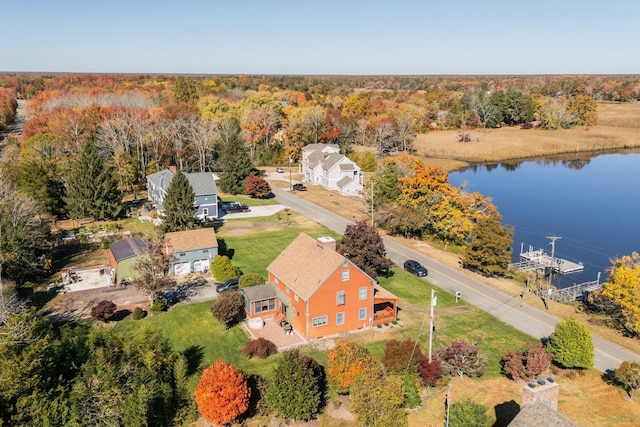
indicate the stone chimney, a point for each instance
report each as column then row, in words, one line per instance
column 173, row 169
column 327, row 242
column 547, row 390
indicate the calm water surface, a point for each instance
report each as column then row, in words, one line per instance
column 592, row 204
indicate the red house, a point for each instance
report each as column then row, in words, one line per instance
column 319, row 292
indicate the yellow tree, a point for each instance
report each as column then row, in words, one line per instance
column 621, row 293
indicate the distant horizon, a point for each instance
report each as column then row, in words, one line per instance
column 314, row 75
column 335, row 38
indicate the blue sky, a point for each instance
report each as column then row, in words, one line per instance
column 321, row 37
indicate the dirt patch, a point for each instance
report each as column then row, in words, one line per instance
column 239, row 228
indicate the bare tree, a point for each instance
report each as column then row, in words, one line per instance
column 154, row 268
column 406, row 131
column 203, row 134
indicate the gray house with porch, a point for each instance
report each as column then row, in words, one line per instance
column 203, row 184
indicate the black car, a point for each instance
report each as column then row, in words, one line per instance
column 299, row 187
column 415, row 267
column 229, row 285
column 235, row 207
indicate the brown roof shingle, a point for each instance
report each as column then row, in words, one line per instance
column 538, row 413
column 190, row 240
column 305, row 265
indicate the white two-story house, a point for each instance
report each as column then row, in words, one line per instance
column 323, row 164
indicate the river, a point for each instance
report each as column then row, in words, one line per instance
column 591, row 203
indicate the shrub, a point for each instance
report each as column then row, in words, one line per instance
column 462, row 358
column 103, row 310
column 571, row 345
column 223, row 269
column 160, row 303
column 227, row 306
column 411, row 392
column 513, row 364
column 400, row 355
column 430, row 372
column 469, row 414
column 261, row 348
column 138, row 313
column 251, row 279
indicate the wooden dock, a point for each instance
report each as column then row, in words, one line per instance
column 538, row 260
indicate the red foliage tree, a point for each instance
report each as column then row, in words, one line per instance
column 462, row 358
column 538, row 359
column 103, row 310
column 222, row 394
column 430, row 372
column 257, row 187
column 401, row 355
column 513, row 364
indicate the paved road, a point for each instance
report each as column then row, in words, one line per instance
column 530, row 320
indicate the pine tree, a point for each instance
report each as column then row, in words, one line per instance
column 179, row 210
column 237, row 166
column 490, row 246
column 92, row 189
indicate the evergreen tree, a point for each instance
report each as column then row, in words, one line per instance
column 92, row 188
column 571, row 345
column 179, row 209
column 237, row 166
column 296, row 389
column 489, row 248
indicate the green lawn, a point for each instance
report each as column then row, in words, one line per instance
column 252, row 253
column 246, row 200
column 192, row 328
column 134, row 225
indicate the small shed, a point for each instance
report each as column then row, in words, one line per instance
column 123, row 255
column 192, row 250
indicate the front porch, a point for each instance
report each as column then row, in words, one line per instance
column 385, row 306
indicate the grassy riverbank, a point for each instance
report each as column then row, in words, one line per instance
column 618, row 128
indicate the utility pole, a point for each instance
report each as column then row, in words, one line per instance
column 290, row 187
column 434, row 301
column 373, row 182
column 553, row 250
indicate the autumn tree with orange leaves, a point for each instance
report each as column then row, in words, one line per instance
column 222, row 394
column 346, row 362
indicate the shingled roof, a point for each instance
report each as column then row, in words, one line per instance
column 539, row 413
column 190, row 240
column 123, row 249
column 305, row 265
column 203, row 183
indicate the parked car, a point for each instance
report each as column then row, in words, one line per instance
column 280, row 170
column 299, row 187
column 415, row 267
column 229, row 285
column 235, row 207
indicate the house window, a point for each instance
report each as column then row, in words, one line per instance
column 345, row 275
column 340, row 318
column 362, row 313
column 345, row 263
column 205, row 211
column 286, row 288
column 265, row 305
column 182, row 254
column 319, row 321
column 295, row 297
column 205, row 251
column 362, row 293
column 340, row 298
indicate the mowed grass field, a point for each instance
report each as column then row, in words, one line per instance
column 255, row 243
column 617, row 129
